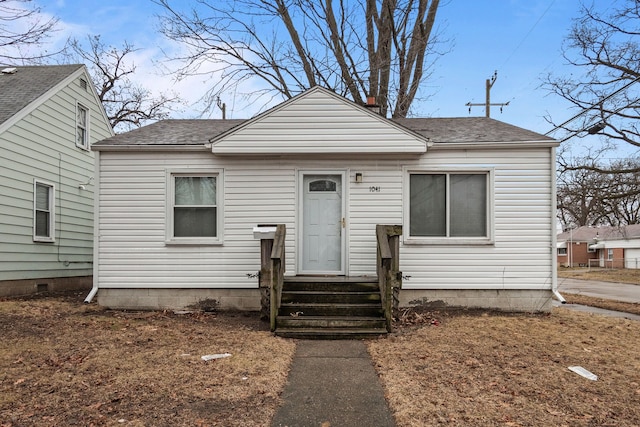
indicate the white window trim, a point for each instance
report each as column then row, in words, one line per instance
column 610, row 254
column 417, row 240
column 52, row 211
column 170, row 197
column 86, row 145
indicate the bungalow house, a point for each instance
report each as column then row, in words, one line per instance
column 180, row 204
column 607, row 247
column 49, row 117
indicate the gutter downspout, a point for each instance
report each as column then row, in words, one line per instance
column 96, row 228
column 554, row 234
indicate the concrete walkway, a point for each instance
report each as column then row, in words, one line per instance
column 596, row 310
column 333, row 383
column 606, row 290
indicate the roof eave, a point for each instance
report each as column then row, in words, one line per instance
column 494, row 144
column 138, row 147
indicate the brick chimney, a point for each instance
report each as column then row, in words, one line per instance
column 371, row 104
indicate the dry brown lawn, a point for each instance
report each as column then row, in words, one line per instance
column 65, row 363
column 501, row 370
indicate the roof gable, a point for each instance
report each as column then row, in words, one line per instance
column 28, row 87
column 26, row 84
column 319, row 122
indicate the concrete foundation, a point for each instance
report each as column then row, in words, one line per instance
column 509, row 300
column 180, row 299
column 9, row 288
column 249, row 299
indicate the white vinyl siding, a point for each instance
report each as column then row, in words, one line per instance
column 132, row 227
column 43, row 212
column 319, row 123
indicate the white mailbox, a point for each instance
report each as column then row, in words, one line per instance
column 264, row 232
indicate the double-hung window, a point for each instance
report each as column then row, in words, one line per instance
column 449, row 207
column 82, row 126
column 194, row 208
column 43, row 212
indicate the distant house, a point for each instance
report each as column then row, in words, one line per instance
column 178, row 202
column 49, row 117
column 610, row 247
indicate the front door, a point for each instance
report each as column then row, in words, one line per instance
column 322, row 236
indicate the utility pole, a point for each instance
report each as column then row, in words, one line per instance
column 487, row 103
column 223, row 107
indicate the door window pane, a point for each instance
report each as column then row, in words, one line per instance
column 322, row 185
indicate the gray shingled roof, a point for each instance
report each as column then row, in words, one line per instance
column 470, row 129
column 27, row 84
column 445, row 130
column 173, row 132
column 587, row 234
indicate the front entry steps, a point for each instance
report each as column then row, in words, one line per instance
column 330, row 308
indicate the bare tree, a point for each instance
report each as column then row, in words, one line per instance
column 605, row 46
column 587, row 196
column 22, row 30
column 126, row 103
column 358, row 48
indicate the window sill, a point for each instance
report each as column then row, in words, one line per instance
column 43, row 240
column 83, row 147
column 193, row 241
column 449, row 241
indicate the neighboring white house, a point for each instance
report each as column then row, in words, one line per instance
column 49, row 117
column 177, row 202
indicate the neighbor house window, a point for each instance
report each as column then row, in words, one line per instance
column 562, row 251
column 449, row 206
column 195, row 208
column 43, row 212
column 610, row 254
column 82, row 127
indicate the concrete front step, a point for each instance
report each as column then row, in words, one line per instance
column 330, row 333
column 315, row 322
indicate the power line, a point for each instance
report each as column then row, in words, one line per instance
column 527, row 35
column 585, row 110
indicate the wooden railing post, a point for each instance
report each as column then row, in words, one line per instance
column 264, row 278
column 276, row 278
column 388, row 268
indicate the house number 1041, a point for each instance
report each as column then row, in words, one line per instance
column 373, row 189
